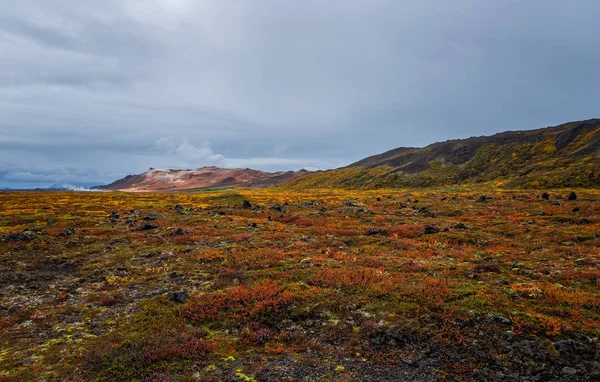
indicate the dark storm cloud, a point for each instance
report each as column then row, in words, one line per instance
column 93, row 90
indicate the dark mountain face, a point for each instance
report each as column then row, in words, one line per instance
column 459, row 151
column 565, row 155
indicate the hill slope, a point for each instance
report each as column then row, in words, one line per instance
column 206, row 177
column 565, row 155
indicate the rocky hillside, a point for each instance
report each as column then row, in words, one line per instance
column 565, row 155
column 203, row 178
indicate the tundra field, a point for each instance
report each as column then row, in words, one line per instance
column 271, row 285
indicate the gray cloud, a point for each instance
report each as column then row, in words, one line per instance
column 88, row 88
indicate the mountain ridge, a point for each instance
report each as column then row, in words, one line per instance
column 555, row 156
column 202, row 178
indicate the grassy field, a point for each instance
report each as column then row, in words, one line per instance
column 446, row 284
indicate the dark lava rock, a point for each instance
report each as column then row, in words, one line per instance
column 246, row 204
column 68, row 232
column 179, row 209
column 151, row 217
column 483, row 199
column 15, row 237
column 180, row 296
column 430, row 230
column 555, row 203
column 253, row 225
column 576, row 209
column 277, row 207
column 178, row 231
column 114, row 217
column 425, row 211
column 546, row 196
column 571, row 347
column 572, row 196
column 461, row 226
column 146, row 227
column 373, row 232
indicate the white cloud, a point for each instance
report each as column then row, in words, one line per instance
column 191, row 154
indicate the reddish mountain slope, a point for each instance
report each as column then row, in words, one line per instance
column 202, row 178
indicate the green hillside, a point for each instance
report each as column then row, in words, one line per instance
column 559, row 156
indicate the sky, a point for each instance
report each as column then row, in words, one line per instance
column 91, row 91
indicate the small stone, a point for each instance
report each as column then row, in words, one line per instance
column 545, row 196
column 569, row 370
column 373, row 232
column 430, row 230
column 146, row 227
column 572, row 196
column 114, row 217
column 180, row 296
column 68, row 232
column 246, row 205
column 461, row 226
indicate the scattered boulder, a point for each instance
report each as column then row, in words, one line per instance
column 430, row 230
column 181, row 231
column 373, row 232
column 546, row 196
column 68, row 232
column 576, row 209
column 483, row 199
column 151, row 216
column 461, row 226
column 114, row 217
column 570, row 371
column 179, row 209
column 572, row 196
column 146, row 227
column 16, row 237
column 277, row 207
column 425, row 211
column 246, row 205
column 178, row 296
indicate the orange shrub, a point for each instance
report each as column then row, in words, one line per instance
column 243, row 303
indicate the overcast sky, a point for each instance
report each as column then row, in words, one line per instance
column 93, row 90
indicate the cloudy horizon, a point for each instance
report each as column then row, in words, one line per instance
column 92, row 91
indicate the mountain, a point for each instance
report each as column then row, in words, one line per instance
column 564, row 155
column 202, row 178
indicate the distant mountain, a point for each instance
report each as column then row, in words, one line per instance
column 565, row 155
column 203, row 178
